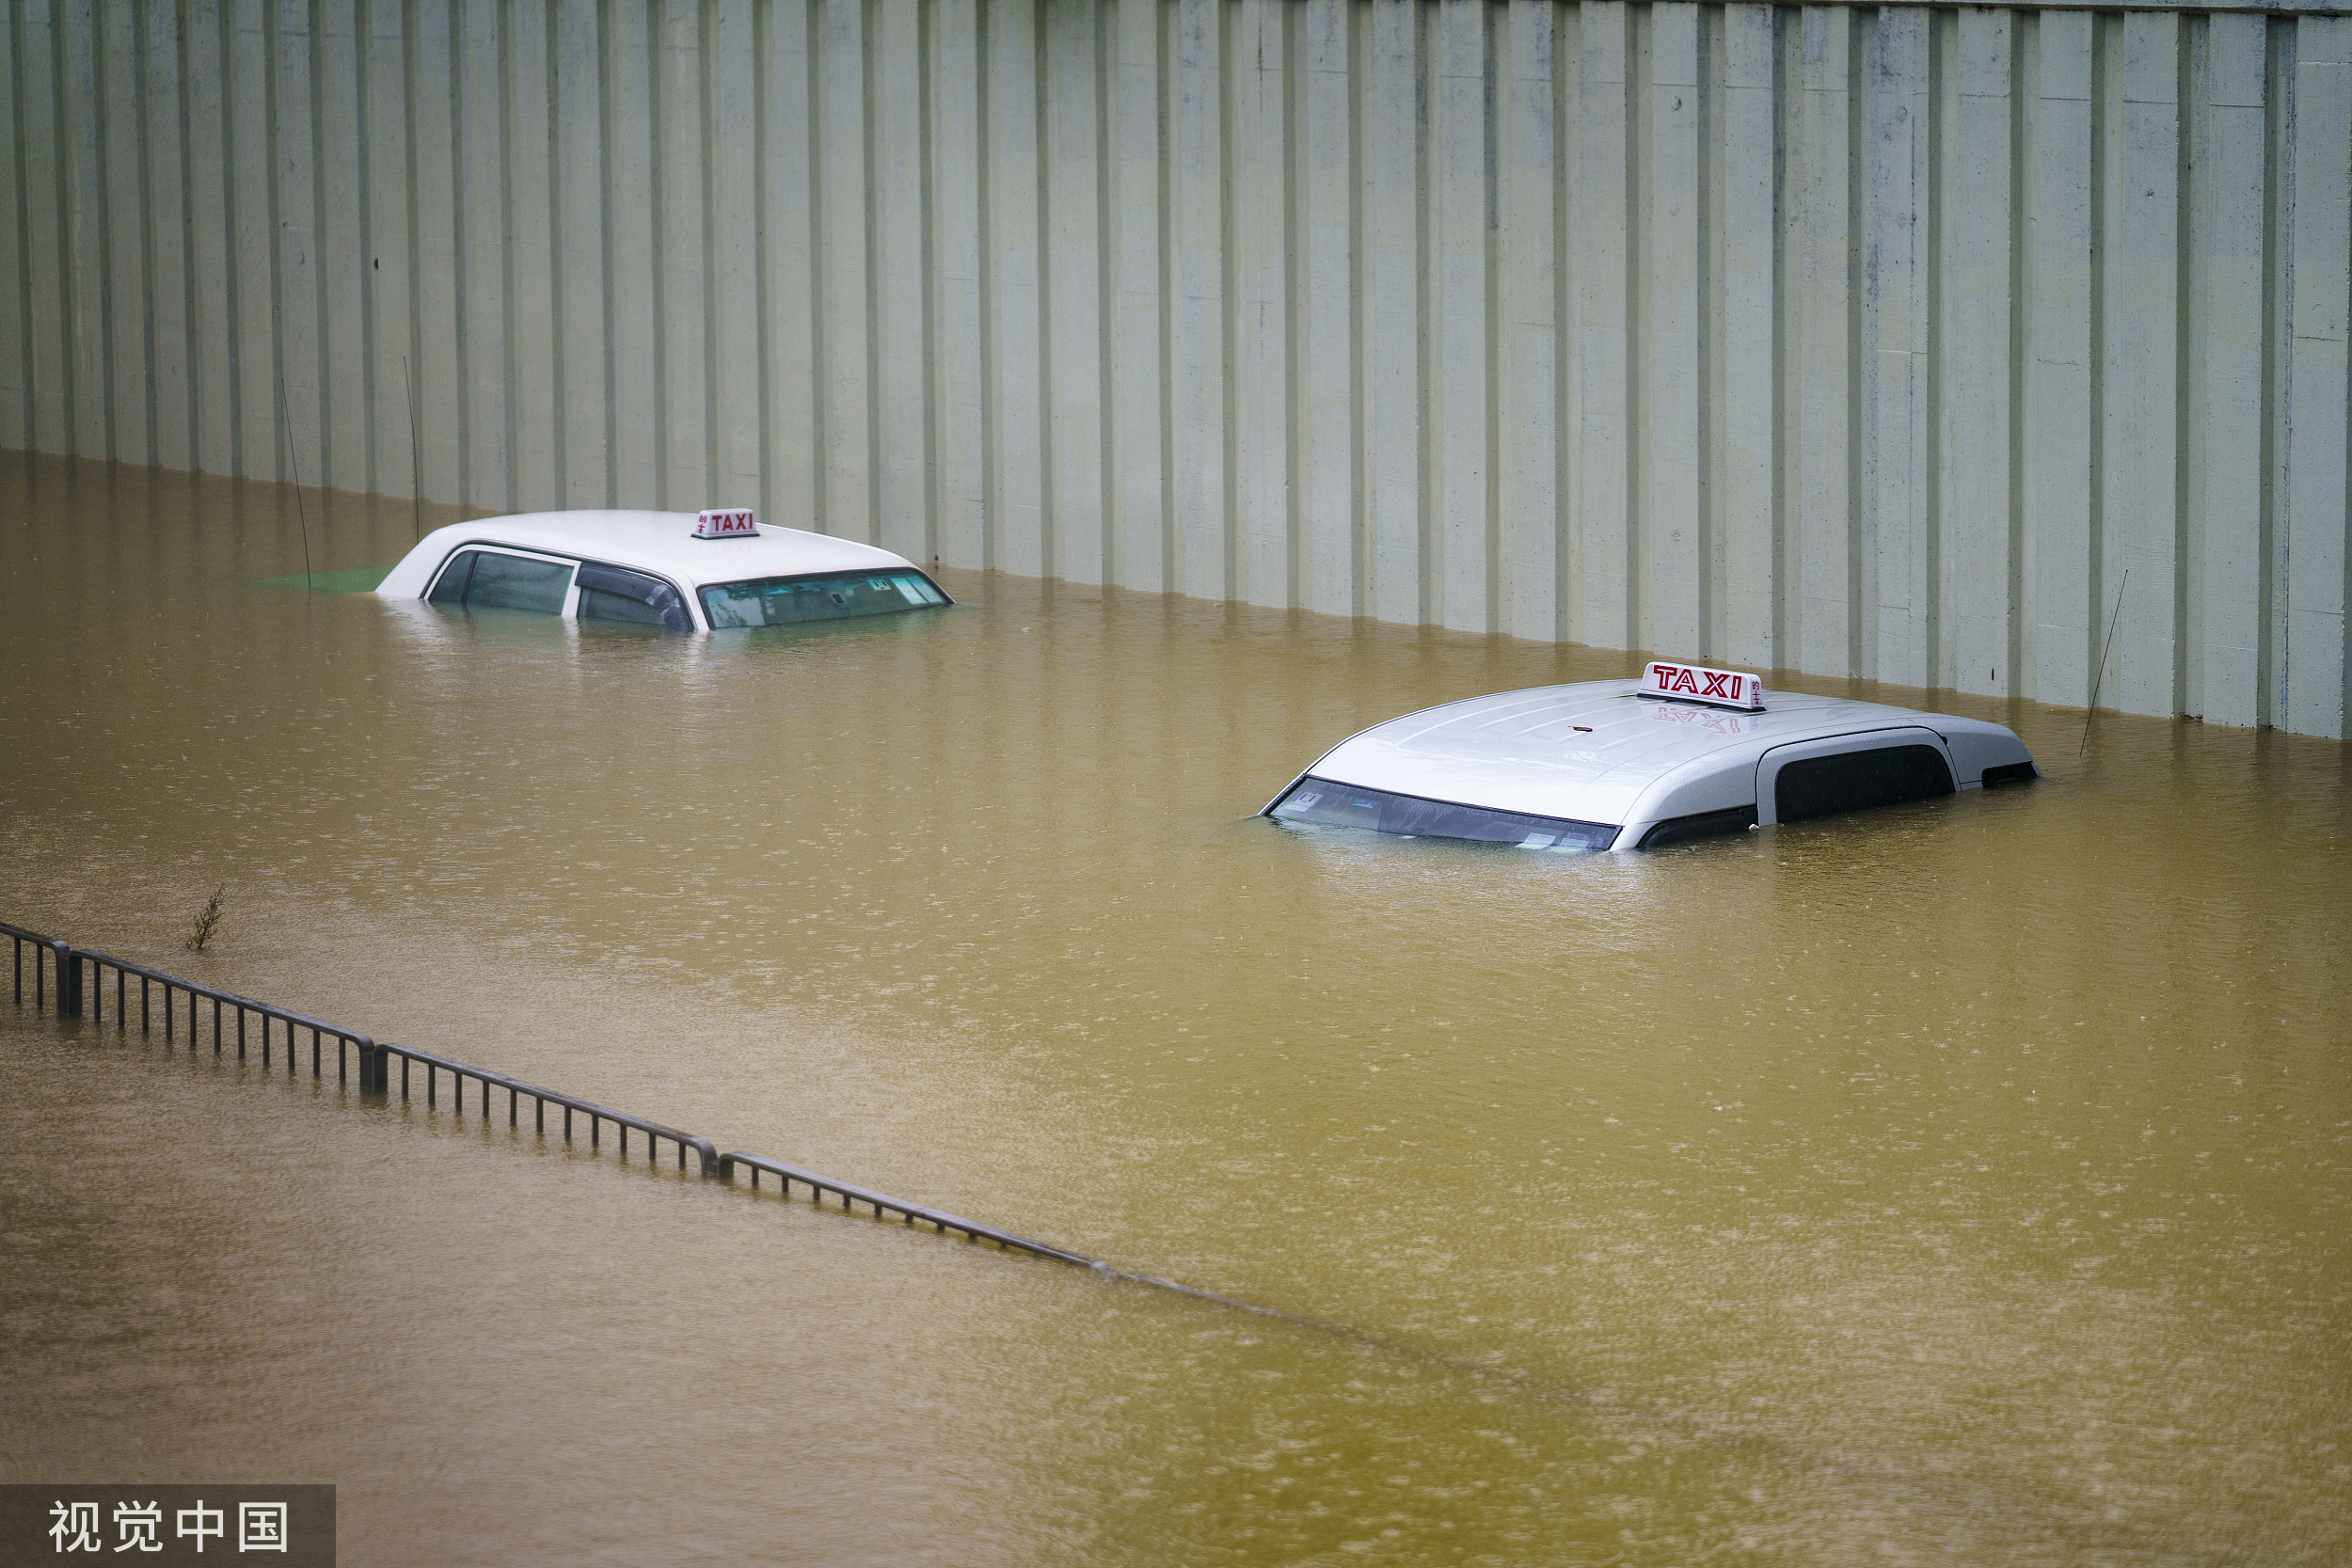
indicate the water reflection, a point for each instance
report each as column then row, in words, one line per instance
column 1960, row 1183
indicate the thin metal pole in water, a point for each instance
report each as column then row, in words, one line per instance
column 2100, row 675
column 416, row 457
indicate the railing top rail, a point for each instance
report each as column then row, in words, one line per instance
column 553, row 1096
column 899, row 1205
column 24, row 935
column 214, row 993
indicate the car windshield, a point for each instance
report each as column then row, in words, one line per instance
column 1342, row 805
column 788, row 601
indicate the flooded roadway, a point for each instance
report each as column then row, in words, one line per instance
column 1969, row 1182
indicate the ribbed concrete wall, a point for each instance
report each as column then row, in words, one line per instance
column 1883, row 342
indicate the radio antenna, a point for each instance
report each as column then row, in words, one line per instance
column 416, row 469
column 2100, row 674
column 301, row 516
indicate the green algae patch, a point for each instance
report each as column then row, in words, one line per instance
column 350, row 579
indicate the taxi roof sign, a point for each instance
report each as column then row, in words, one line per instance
column 1694, row 683
column 726, row 523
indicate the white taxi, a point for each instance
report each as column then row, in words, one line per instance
column 705, row 571
column 1679, row 753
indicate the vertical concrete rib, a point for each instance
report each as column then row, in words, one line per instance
column 83, row 132
column 959, row 318
column 16, row 349
column 2318, row 499
column 111, row 198
column 1458, row 386
column 1107, row 445
column 1012, row 268
column 1673, row 290
column 1523, row 422
column 2229, row 230
column 2023, row 37
column 2057, row 214
column 1599, row 191
column 1039, row 177
column 896, row 275
column 1133, row 301
column 789, row 341
column 1903, row 232
column 2278, row 351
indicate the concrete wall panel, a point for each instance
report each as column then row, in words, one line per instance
column 1911, row 343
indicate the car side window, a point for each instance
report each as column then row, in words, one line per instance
column 614, row 594
column 1856, row 781
column 487, row 579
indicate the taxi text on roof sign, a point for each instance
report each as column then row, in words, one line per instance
column 730, row 523
column 1692, row 683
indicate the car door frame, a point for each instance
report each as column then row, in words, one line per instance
column 1768, row 767
column 694, row 621
column 571, row 587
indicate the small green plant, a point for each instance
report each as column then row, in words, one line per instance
column 201, row 928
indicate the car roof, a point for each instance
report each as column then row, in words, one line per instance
column 659, row 542
column 1594, row 751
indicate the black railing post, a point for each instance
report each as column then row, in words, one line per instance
column 374, row 1068
column 68, row 980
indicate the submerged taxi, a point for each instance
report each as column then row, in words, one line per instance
column 689, row 571
column 1679, row 753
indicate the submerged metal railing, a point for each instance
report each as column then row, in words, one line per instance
column 706, row 1159
column 883, row 1203
column 59, row 956
column 228, row 1008
column 58, row 970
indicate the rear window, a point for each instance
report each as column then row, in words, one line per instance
column 1341, row 805
column 1856, row 781
column 788, row 601
column 486, row 579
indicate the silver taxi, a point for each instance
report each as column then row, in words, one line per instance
column 1679, row 753
column 689, row 571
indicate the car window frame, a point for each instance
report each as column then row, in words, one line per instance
column 1774, row 758
column 571, row 585
column 697, row 620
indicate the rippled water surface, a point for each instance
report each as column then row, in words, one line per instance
column 1966, row 1183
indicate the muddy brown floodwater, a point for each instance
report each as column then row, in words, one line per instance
column 1962, row 1183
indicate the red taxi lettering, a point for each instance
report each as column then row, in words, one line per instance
column 731, row 523
column 1694, row 683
